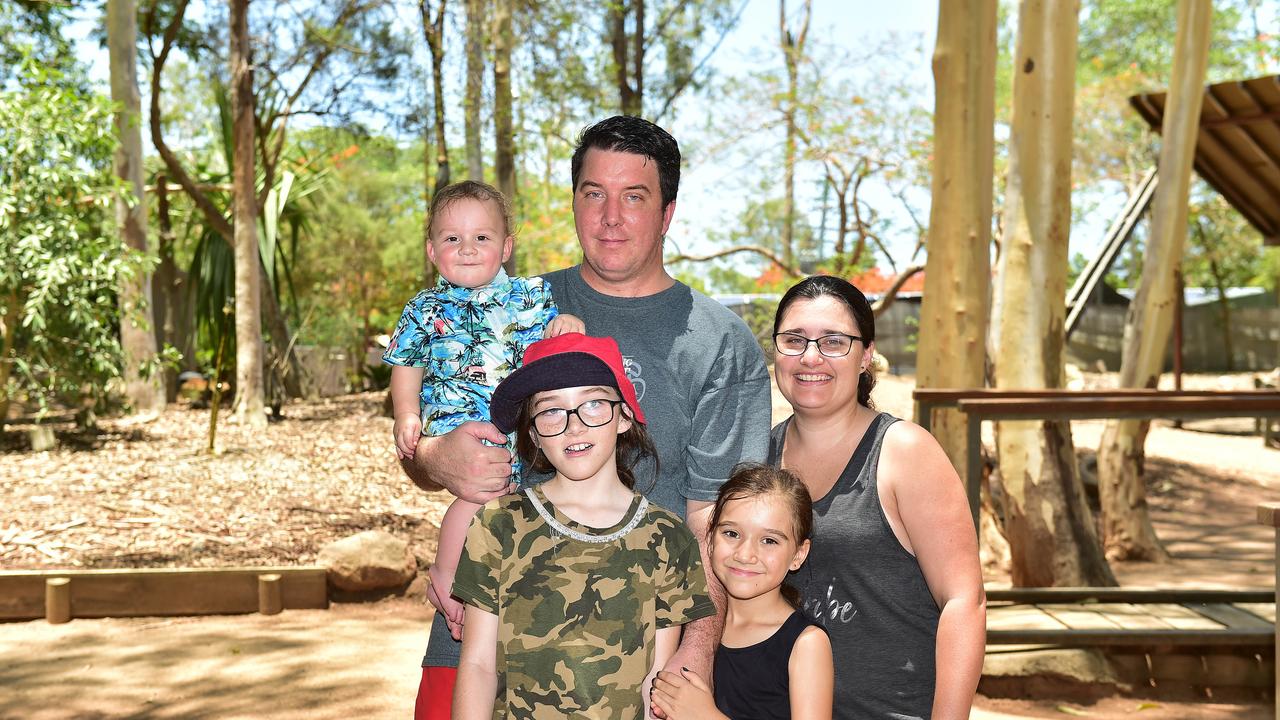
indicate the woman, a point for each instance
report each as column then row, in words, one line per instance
column 893, row 574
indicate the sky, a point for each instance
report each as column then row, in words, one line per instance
column 713, row 192
column 712, row 196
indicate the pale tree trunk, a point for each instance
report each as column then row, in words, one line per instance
column 136, row 336
column 1051, row 532
column 249, row 386
column 1126, row 522
column 504, row 157
column 953, row 318
column 792, row 41
column 475, row 89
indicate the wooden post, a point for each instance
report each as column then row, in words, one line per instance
column 57, row 600
column 270, row 601
column 973, row 467
column 1269, row 515
column 1178, row 308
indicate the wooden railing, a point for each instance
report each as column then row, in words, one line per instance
column 992, row 405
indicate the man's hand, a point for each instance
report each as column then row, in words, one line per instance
column 407, row 431
column 564, row 323
column 459, row 462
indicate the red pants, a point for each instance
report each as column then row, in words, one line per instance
column 435, row 693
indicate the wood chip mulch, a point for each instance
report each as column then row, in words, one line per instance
column 148, row 494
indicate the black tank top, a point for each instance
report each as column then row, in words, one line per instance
column 868, row 593
column 752, row 683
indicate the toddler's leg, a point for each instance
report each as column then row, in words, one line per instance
column 453, row 533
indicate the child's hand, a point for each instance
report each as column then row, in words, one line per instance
column 682, row 696
column 439, row 595
column 407, row 430
column 564, row 323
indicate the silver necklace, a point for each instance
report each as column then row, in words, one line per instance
column 561, row 529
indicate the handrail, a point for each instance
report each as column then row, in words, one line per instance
column 929, row 399
column 1164, row 406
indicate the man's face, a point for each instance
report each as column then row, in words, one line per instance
column 620, row 219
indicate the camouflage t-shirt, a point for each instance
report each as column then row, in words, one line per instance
column 577, row 620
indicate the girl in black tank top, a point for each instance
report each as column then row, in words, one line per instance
column 773, row 662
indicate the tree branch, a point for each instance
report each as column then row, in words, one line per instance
column 685, row 81
column 891, row 294
column 762, row 251
column 213, row 215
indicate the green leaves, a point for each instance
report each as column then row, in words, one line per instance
column 60, row 263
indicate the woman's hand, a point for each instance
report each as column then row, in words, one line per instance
column 683, row 696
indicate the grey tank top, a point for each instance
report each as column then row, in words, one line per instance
column 867, row 592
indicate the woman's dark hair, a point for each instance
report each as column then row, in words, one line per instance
column 816, row 286
column 752, row 480
column 633, row 446
column 629, row 134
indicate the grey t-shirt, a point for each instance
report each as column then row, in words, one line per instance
column 701, row 381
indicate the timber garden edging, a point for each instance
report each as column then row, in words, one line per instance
column 60, row 595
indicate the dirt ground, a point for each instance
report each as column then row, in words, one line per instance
column 146, row 494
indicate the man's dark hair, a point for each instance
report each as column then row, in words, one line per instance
column 629, row 134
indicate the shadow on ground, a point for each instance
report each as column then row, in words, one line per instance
column 352, row 661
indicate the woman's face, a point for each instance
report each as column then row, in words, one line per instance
column 812, row 381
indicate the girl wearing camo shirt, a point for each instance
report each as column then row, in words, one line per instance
column 575, row 590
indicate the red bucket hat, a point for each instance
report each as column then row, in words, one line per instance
column 568, row 360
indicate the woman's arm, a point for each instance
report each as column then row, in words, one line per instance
column 925, row 502
column 811, row 674
column 477, row 686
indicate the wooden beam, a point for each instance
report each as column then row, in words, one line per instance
column 160, row 592
column 1137, row 596
column 1249, row 637
column 1253, row 119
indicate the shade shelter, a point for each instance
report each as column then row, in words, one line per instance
column 1238, row 145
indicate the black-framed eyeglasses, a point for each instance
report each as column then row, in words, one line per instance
column 592, row 413
column 833, row 345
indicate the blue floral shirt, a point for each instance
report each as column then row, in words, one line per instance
column 468, row 340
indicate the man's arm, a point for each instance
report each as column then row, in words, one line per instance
column 701, row 637
column 459, row 462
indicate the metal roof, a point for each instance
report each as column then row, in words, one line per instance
column 1238, row 148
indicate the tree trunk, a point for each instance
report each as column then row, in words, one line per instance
column 8, row 338
column 1051, row 531
column 792, row 44
column 1126, row 521
column 433, row 31
column 952, row 351
column 475, row 89
column 249, row 385
column 287, row 373
column 628, row 100
column 504, row 160
column 166, row 291
column 136, row 333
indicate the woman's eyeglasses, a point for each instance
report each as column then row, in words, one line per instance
column 833, row 345
column 592, row 413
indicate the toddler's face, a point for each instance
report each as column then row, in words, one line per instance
column 469, row 242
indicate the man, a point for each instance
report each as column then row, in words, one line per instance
column 698, row 371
